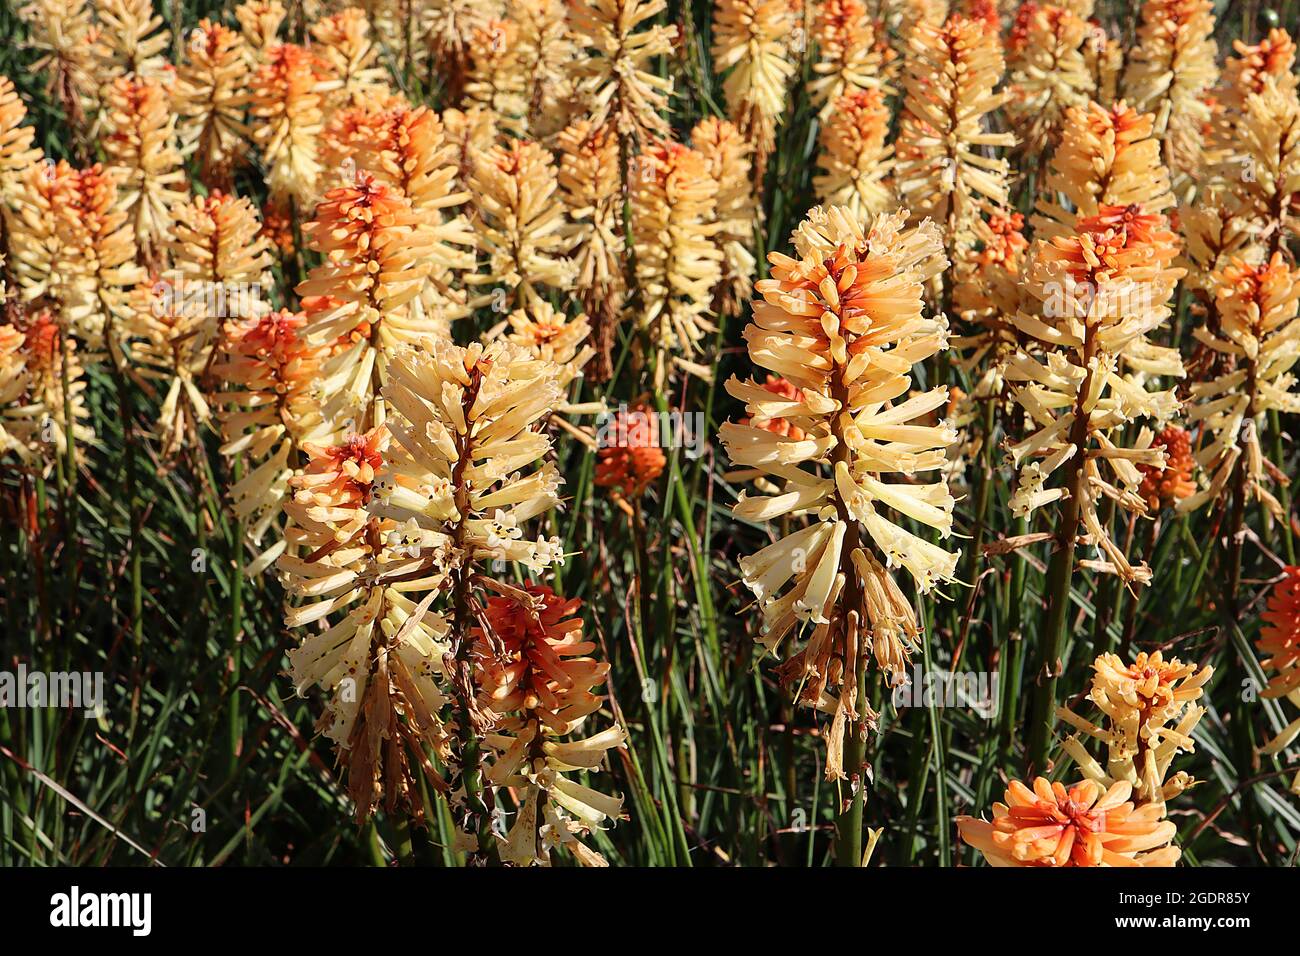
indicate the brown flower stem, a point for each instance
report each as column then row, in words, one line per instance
column 1051, row 643
column 477, row 818
column 848, row 821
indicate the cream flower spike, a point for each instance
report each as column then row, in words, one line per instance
column 843, row 322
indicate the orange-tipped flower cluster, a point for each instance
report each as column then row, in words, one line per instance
column 630, row 458
column 1052, row 825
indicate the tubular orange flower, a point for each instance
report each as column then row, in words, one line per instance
column 843, row 324
column 612, row 67
column 1170, row 69
column 106, row 272
column 847, row 58
column 591, row 189
column 1051, row 825
column 144, row 158
column 1272, row 57
column 536, row 674
column 211, row 96
column 630, row 458
column 727, row 156
column 858, row 163
column 407, row 148
column 270, row 369
column 674, row 201
column 287, row 90
column 1279, row 639
column 750, row 41
column 1107, row 157
column 514, row 189
column 364, row 298
column 1165, row 487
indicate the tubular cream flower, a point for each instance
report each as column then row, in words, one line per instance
column 144, row 158
column 751, row 40
column 470, row 473
column 545, row 54
column 843, row 324
column 211, row 97
column 858, row 163
column 351, row 57
column 35, row 359
column 1098, row 292
column 1258, row 335
column 448, row 29
column 377, row 654
column 988, row 296
column 16, row 152
column 1268, row 137
column 1149, row 711
column 497, row 83
column 945, row 168
column 1048, row 75
column 514, row 189
column 260, row 22
column 363, row 299
column 590, row 181
column 674, row 203
column 1171, row 68
column 269, row 408
column 727, row 155
column 219, row 272
column 614, row 57
column 1051, row 825
column 63, row 32
column 287, row 93
column 847, row 58
column 536, row 674
column 126, row 42
column 553, row 337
